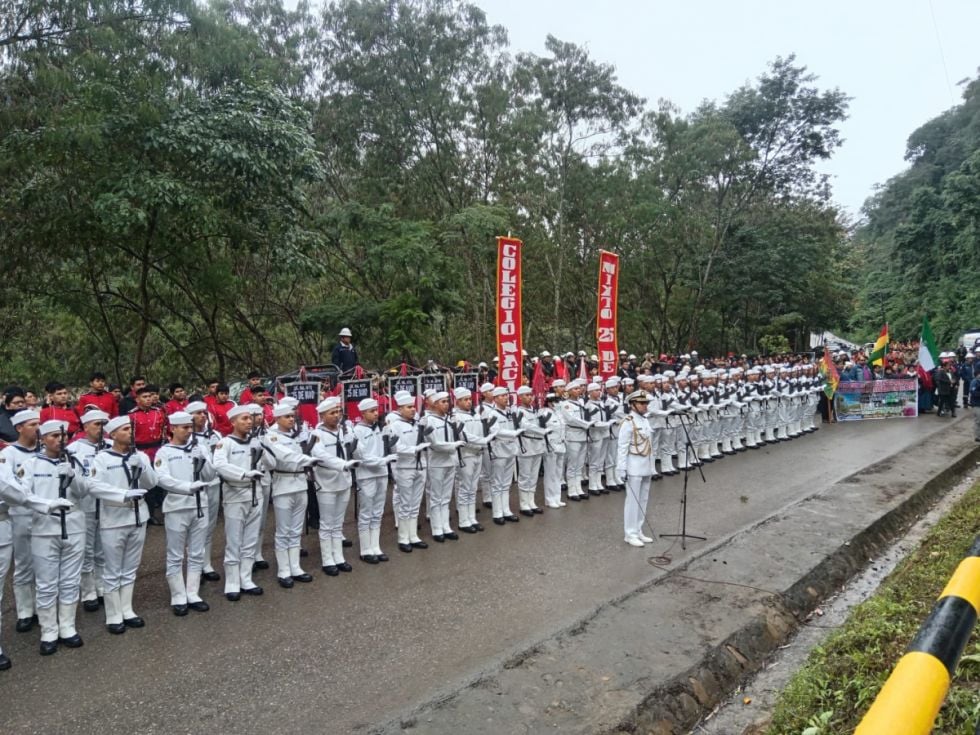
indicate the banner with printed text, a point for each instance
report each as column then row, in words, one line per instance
column 877, row 399
column 606, row 315
column 510, row 335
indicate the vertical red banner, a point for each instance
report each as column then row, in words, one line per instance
column 607, row 314
column 510, row 330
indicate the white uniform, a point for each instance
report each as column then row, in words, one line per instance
column 554, row 459
column 233, row 459
column 635, row 464
column 288, row 498
column 598, row 436
column 21, row 517
column 402, row 437
column 122, row 524
column 209, row 439
column 468, row 476
column 529, row 462
column 505, row 448
column 372, row 487
column 577, row 425
column 57, row 560
column 185, row 514
column 333, row 482
column 443, row 463
column 93, row 560
column 615, row 411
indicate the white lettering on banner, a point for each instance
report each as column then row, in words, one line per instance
column 605, row 335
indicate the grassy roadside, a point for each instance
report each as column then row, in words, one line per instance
column 842, row 676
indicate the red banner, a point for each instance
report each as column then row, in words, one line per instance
column 606, row 317
column 509, row 326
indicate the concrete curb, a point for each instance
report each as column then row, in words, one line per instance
column 677, row 706
column 719, row 631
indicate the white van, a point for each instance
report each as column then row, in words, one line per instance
column 971, row 338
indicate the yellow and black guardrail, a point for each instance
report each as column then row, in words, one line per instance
column 911, row 697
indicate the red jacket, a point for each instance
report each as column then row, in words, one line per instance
column 54, row 413
column 222, row 424
column 173, row 406
column 149, row 429
column 104, row 401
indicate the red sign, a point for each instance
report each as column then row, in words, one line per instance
column 606, row 316
column 509, row 326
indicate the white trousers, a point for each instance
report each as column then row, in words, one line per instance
column 575, row 459
column 407, row 498
column 214, row 507
column 58, row 568
column 185, row 531
column 440, row 490
column 371, row 494
column 241, row 532
column 500, row 482
column 528, row 468
column 6, row 556
column 635, row 507
column 23, row 556
column 552, row 462
column 123, row 548
column 263, row 508
column 467, row 478
column 290, row 514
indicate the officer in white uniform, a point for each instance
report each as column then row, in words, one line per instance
column 485, row 412
column 554, row 456
column 529, row 462
column 598, row 436
column 614, row 410
column 84, row 450
column 473, row 451
column 505, row 448
column 401, row 436
column 185, row 471
column 635, row 465
column 372, row 481
column 207, row 437
column 577, row 426
column 120, row 477
column 332, row 475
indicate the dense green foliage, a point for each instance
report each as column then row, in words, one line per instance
column 194, row 188
column 921, row 242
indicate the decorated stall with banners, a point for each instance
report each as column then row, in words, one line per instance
column 877, row 399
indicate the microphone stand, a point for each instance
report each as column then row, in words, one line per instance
column 684, row 535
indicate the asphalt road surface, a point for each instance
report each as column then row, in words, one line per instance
column 343, row 654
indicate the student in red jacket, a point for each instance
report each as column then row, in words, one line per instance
column 97, row 397
column 58, row 410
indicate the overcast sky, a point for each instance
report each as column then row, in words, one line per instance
column 887, row 55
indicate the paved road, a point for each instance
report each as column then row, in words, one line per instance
column 346, row 653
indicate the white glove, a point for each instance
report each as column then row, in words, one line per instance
column 198, row 485
column 253, row 474
column 352, row 464
column 65, row 470
column 307, row 461
column 59, row 503
column 457, row 445
column 422, row 447
column 134, row 493
column 134, row 462
column 549, row 430
column 389, row 459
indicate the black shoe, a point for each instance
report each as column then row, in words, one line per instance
column 603, row 490
column 179, row 610
column 233, row 596
column 74, row 641
column 260, row 564
column 24, row 625
column 452, row 536
column 345, row 567
column 654, row 478
column 346, row 543
column 331, row 570
column 211, row 576
column 619, row 488
column 512, row 518
column 473, row 529
column 438, row 538
column 537, row 511
column 564, row 488
column 574, row 498
column 285, row 582
column 49, row 647
column 527, row 513
column 382, row 556
column 594, row 492
column 304, row 577
column 153, row 521
column 4, row 662
column 487, row 504
column 199, row 606
column 90, row 605
column 116, row 628
column 405, row 548
column 135, row 622
column 477, row 526
column 369, row 558
column 419, row 545
column 303, row 553
column 499, row 521
column 253, row 591
column 476, row 511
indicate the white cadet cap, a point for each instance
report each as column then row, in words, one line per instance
column 612, row 380
column 482, row 365
column 545, row 353
column 283, row 409
column 462, row 393
column 289, row 401
column 367, row 404
column 195, row 406
column 345, row 332
column 180, row 418
column 558, row 383
column 26, row 415
column 500, row 390
column 439, row 395
column 486, row 387
column 593, row 386
column 428, row 393
column 629, row 381
column 524, row 390
column 256, row 410
column 94, row 414
column 644, row 378
column 404, row 398
column 328, row 404
column 52, row 427
column 236, row 411
column 118, row 423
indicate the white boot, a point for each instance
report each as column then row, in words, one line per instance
column 283, row 570
column 24, row 600
column 88, row 591
column 338, row 551
column 595, row 481
column 194, row 588
column 497, row 510
column 667, row 463
column 245, row 574
column 99, row 580
column 403, row 531
column 364, row 539
column 48, row 618
column 295, row 569
column 113, row 609
column 376, row 541
column 66, row 623
column 726, row 446
column 326, row 553
column 413, row 530
column 232, row 579
column 207, row 558
column 126, row 604
column 178, row 593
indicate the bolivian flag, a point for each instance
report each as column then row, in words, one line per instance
column 877, row 356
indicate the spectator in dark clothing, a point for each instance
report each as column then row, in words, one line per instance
column 344, row 355
column 947, row 380
column 965, row 368
column 13, row 401
column 128, row 402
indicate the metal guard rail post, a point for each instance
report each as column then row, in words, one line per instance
column 914, row 692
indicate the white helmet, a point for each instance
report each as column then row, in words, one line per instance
column 345, row 332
